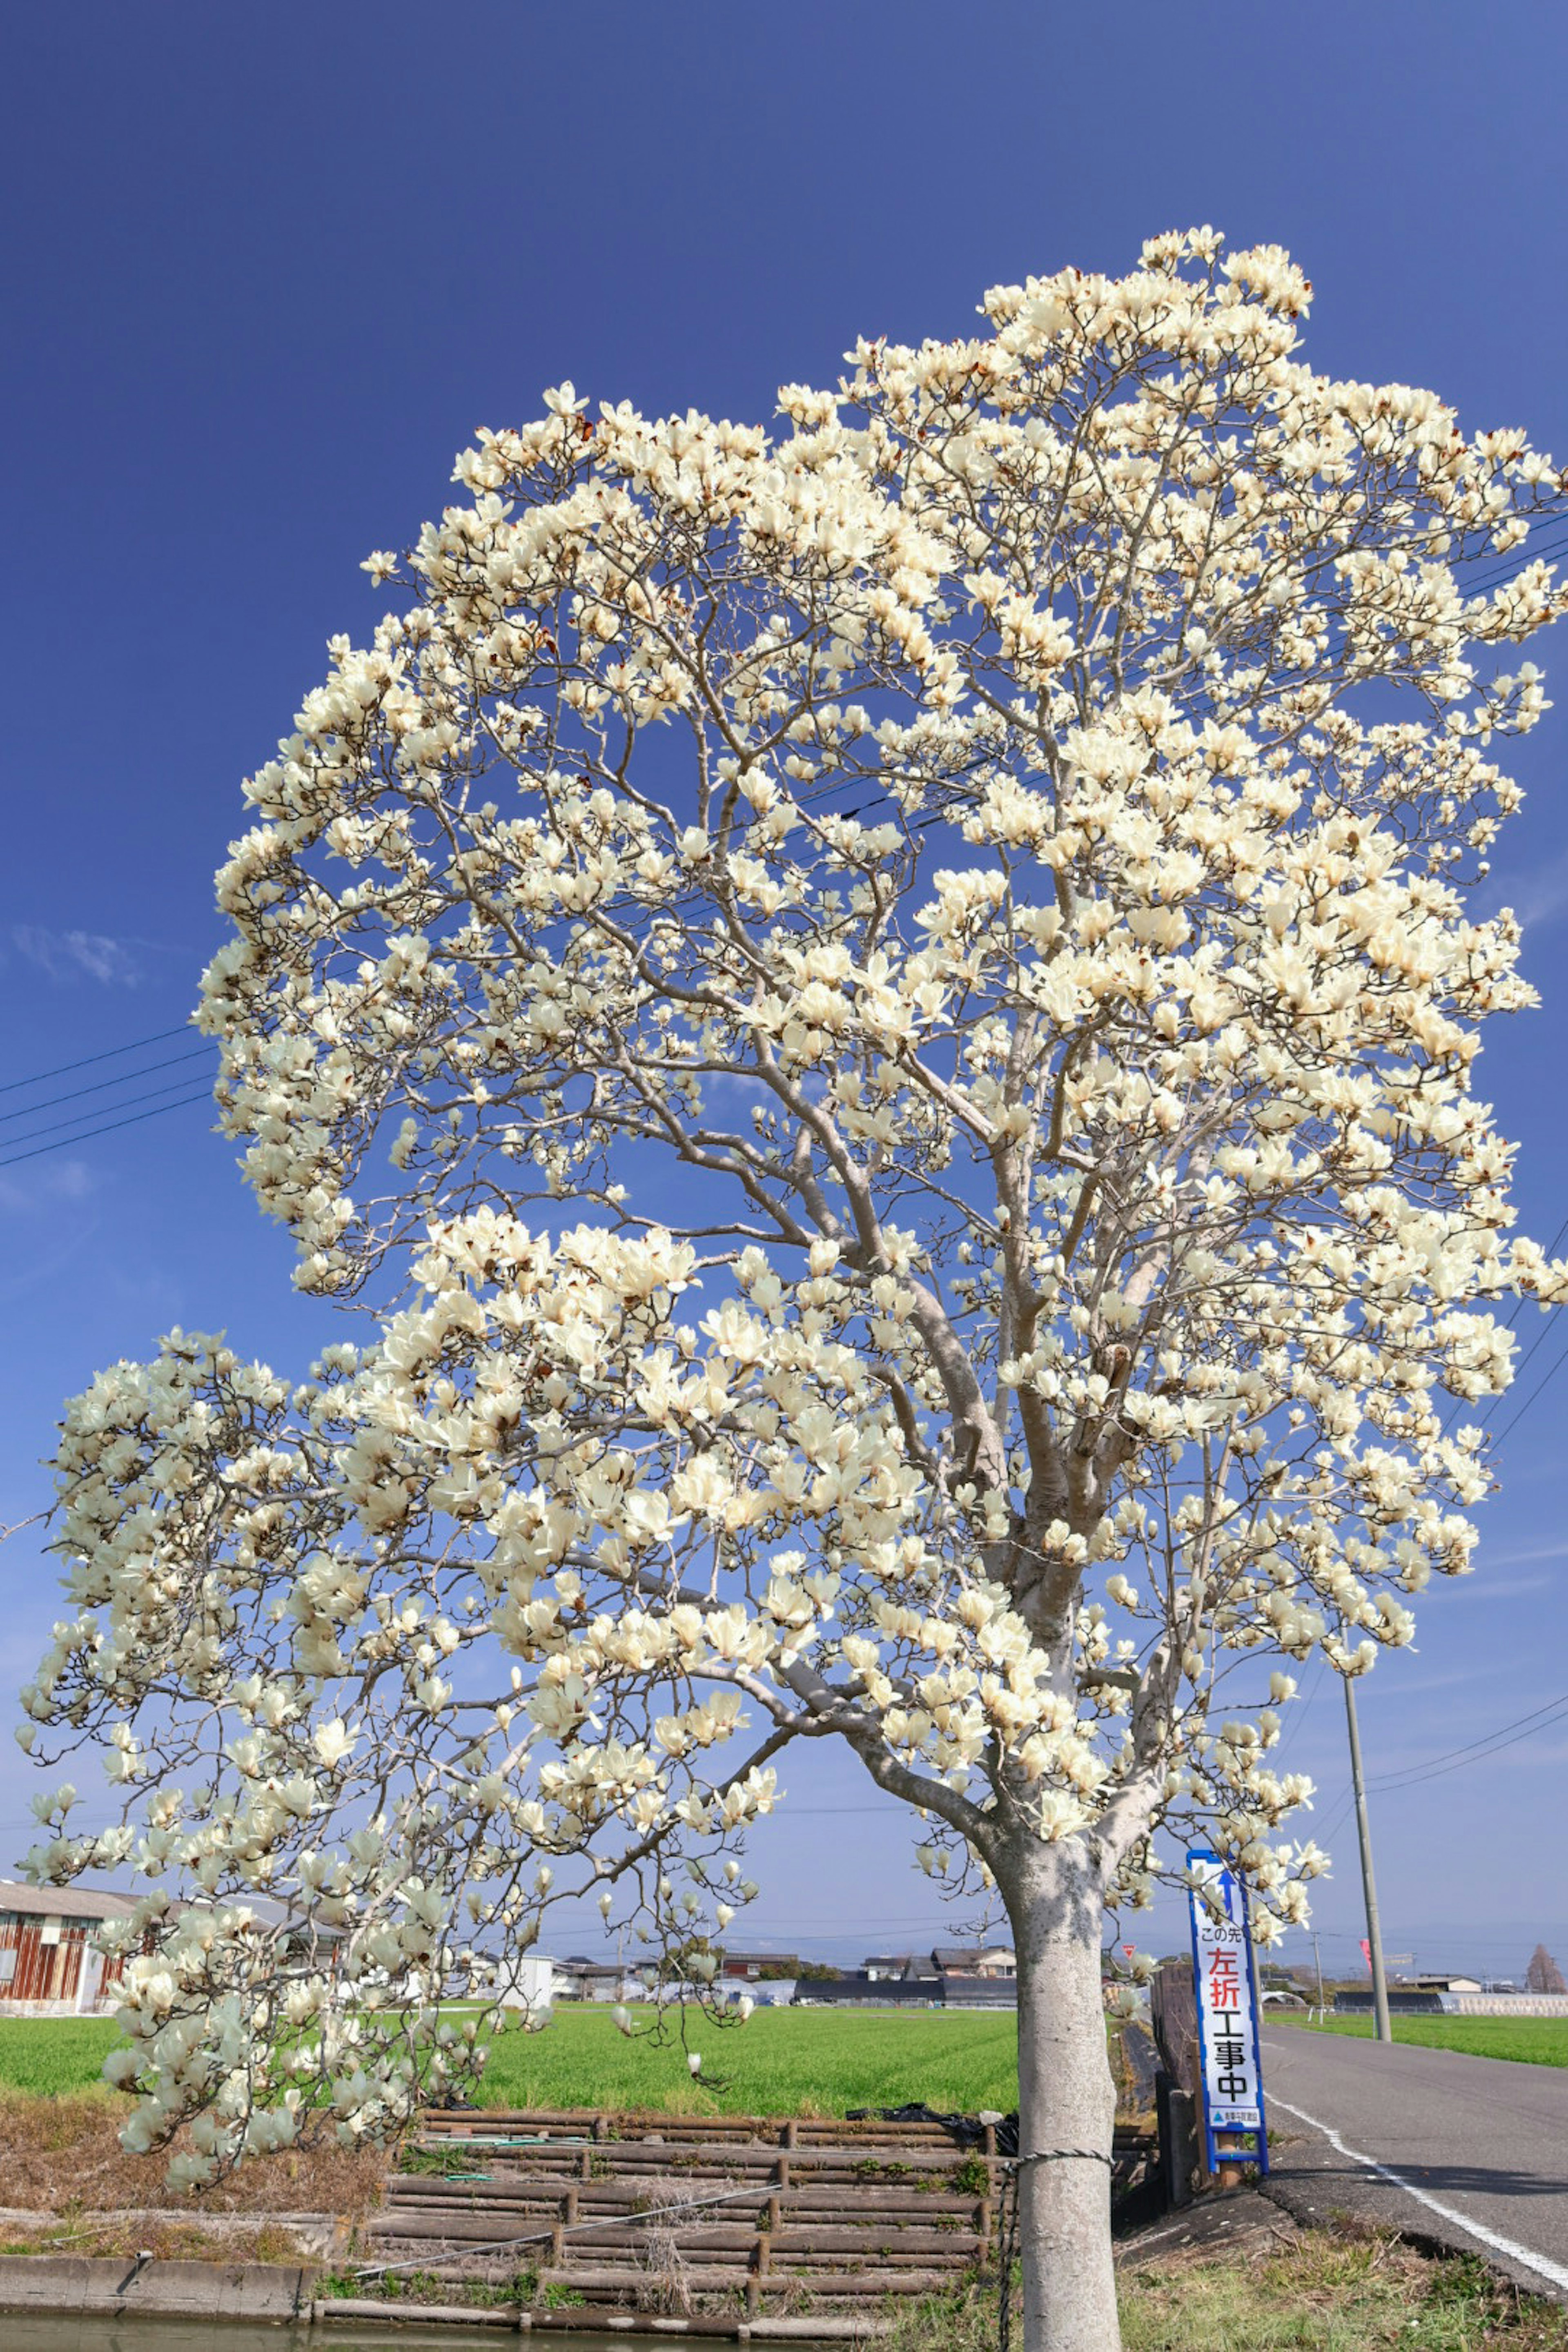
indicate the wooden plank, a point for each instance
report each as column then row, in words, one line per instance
column 413, row 2191
column 590, row 2122
column 869, row 2241
column 829, row 2284
column 849, row 2160
column 1174, row 2013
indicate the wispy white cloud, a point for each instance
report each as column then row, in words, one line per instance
column 79, row 955
column 1403, row 1685
column 1558, row 1550
column 1537, row 897
column 155, row 1291
column 41, row 1188
column 40, row 1271
column 1484, row 1586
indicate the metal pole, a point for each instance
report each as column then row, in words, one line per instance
column 1383, row 2028
column 1318, row 1963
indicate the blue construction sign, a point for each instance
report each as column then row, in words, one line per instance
column 1226, row 1986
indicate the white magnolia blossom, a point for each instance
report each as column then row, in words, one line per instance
column 881, row 1018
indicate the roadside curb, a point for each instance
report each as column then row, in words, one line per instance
column 277, row 2295
column 819, row 2328
column 67, row 2285
column 1309, row 2182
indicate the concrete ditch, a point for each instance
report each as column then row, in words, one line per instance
column 77, row 2286
column 277, row 2295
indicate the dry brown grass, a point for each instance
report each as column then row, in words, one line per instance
column 123, row 2236
column 663, row 2284
column 61, row 2156
column 1277, row 2289
column 1340, row 2290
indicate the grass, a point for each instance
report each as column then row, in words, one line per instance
column 817, row 2061
column 1528, row 2040
column 1316, row 2290
column 1322, row 2290
column 53, row 2055
column 1336, row 2294
column 813, row 2062
column 59, row 2154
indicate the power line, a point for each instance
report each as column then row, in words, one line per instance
column 134, row 1120
column 170, row 1087
column 1297, row 1714
column 792, row 1812
column 109, row 1055
column 1454, row 1760
column 1506, row 568
column 1544, row 1381
column 1524, row 1359
column 102, row 1085
column 1519, row 1302
column 1416, row 1775
column 1343, row 1814
column 1547, row 1325
column 1485, row 1739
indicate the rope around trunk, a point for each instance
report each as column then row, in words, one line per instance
column 1012, row 2166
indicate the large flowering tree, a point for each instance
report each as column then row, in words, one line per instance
column 881, row 1020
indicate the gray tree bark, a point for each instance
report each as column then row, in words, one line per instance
column 1067, row 2100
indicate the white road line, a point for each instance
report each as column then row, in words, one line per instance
column 1539, row 2264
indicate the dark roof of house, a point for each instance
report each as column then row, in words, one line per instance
column 65, row 1902
column 102, row 1903
column 268, row 1913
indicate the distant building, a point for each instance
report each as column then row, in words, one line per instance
column 1424, row 1996
column 303, row 1936
column 754, row 1968
column 974, row 1960
column 580, row 1978
column 991, row 1961
column 49, row 1966
column 50, row 1963
column 952, row 1976
column 901, row 1967
column 529, row 1983
column 765, row 1992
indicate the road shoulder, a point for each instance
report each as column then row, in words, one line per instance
column 1318, row 2184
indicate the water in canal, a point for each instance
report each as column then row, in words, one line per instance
column 24, row 2332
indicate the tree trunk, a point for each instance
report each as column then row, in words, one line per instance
column 1067, row 2102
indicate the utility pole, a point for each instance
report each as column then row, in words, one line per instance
column 1382, row 2026
column 1318, row 1964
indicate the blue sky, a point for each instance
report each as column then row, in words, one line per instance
column 268, row 268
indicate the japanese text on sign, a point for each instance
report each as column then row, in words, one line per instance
column 1228, row 2022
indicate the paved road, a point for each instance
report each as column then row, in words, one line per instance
column 1469, row 2151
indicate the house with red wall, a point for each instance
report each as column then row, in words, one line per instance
column 49, row 1965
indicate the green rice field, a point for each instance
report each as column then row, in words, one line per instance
column 785, row 2061
column 1528, row 2041
column 53, row 2054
